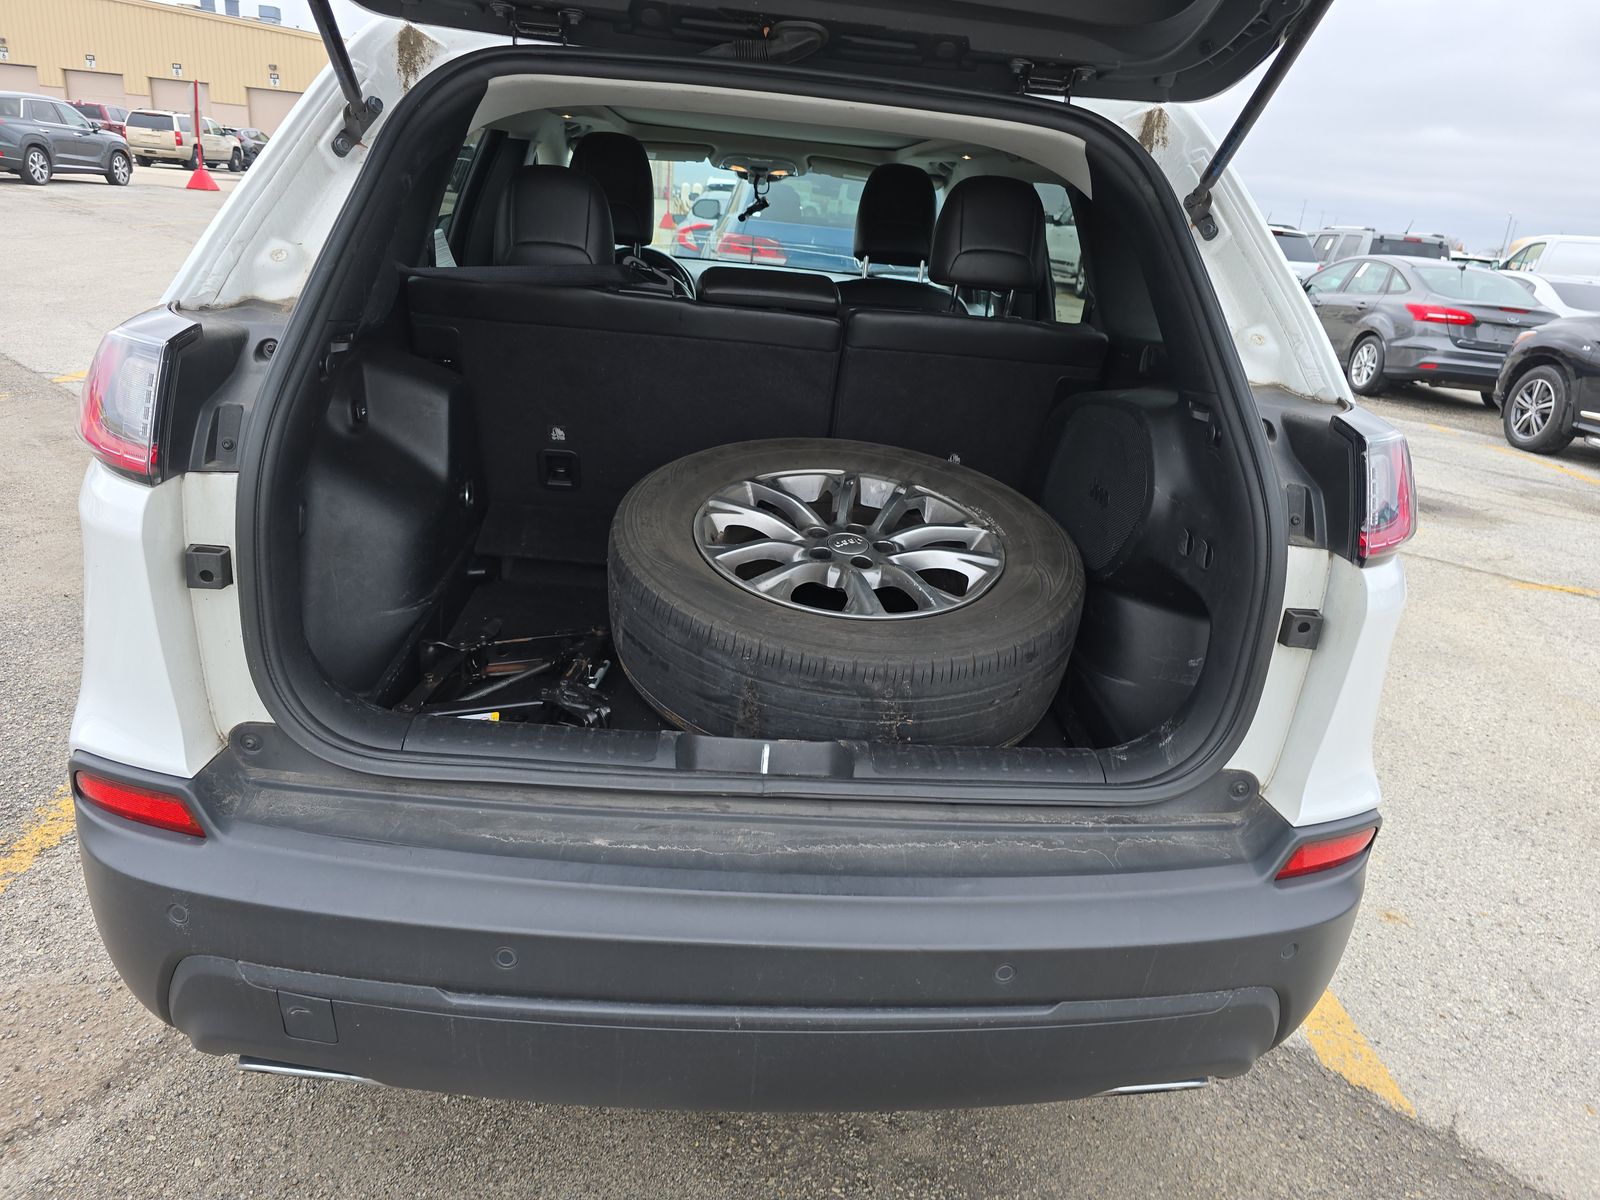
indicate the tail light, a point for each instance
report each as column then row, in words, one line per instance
column 748, row 247
column 178, row 133
column 160, row 810
column 1385, row 490
column 1437, row 314
column 123, row 399
column 1327, row 853
column 687, row 232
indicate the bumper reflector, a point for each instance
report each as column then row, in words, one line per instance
column 160, row 809
column 1328, row 853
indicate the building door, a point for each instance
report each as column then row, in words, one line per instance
column 102, row 86
column 268, row 107
column 178, row 95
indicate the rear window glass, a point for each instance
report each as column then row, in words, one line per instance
column 1410, row 247
column 1574, row 258
column 10, row 106
column 1472, row 283
column 1578, row 295
column 1296, row 247
column 88, row 110
column 149, row 120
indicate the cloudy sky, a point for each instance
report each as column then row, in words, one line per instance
column 1449, row 116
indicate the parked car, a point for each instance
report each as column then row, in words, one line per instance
column 1566, row 254
column 808, row 221
column 1297, row 250
column 41, row 137
column 1475, row 260
column 1549, row 387
column 159, row 135
column 251, row 143
column 1395, row 319
column 1562, row 296
column 1351, row 241
column 111, row 117
column 804, row 792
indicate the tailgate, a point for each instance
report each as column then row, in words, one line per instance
column 153, row 139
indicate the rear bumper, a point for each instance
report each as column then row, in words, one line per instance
column 1449, row 363
column 612, row 984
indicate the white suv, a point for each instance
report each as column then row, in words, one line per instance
column 520, row 662
column 158, row 135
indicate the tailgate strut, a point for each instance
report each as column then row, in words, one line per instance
column 1198, row 202
column 359, row 111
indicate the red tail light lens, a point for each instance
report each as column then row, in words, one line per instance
column 687, row 232
column 1389, row 502
column 749, row 247
column 1328, row 853
column 1439, row 315
column 178, row 133
column 119, row 409
column 160, row 810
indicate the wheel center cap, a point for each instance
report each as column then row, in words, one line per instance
column 848, row 543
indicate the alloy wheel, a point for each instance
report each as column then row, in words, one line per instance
column 1364, row 364
column 38, row 166
column 1532, row 406
column 848, row 544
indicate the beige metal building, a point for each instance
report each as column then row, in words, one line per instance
column 141, row 54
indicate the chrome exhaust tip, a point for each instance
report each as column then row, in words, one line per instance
column 1144, row 1089
column 266, row 1066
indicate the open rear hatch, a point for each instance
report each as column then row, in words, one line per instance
column 1123, row 49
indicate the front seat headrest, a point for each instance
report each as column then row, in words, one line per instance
column 894, row 220
column 621, row 166
column 990, row 235
column 553, row 217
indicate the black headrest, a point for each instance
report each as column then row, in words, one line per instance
column 621, row 166
column 751, row 287
column 894, row 220
column 553, row 217
column 990, row 235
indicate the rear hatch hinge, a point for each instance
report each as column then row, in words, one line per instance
column 1049, row 81
column 536, row 24
column 1198, row 202
column 360, row 111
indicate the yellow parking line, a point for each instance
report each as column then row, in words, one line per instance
column 1341, row 1048
column 72, row 378
column 1442, row 428
column 49, row 828
column 1545, row 462
column 1567, row 589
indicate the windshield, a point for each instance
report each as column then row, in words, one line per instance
column 1411, row 247
column 1296, row 247
column 1572, row 258
column 808, row 221
column 1472, row 284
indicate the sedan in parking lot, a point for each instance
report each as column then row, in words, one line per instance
column 1549, row 388
column 1395, row 319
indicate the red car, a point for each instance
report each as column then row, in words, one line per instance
column 105, row 116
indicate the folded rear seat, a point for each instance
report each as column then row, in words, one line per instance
column 581, row 390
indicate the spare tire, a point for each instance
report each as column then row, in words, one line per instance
column 821, row 589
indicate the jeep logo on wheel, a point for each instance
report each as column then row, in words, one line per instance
column 848, row 543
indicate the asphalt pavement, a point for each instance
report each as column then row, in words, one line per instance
column 1455, row 1056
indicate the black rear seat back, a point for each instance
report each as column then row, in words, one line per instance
column 580, row 391
column 894, row 228
column 753, row 287
column 978, row 388
column 553, row 217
